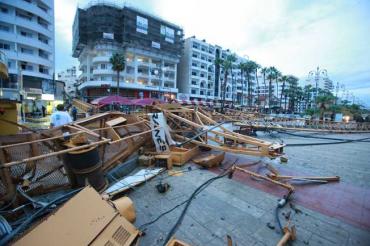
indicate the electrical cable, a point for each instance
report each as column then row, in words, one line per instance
column 143, row 227
column 9, row 237
column 188, row 202
column 318, row 137
column 327, row 143
column 338, row 140
column 282, row 202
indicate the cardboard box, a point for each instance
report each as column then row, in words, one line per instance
column 86, row 219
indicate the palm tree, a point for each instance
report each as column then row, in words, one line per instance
column 242, row 66
column 118, row 62
column 250, row 67
column 292, row 92
column 308, row 90
column 270, row 77
column 264, row 71
column 257, row 66
column 324, row 101
column 226, row 65
column 282, row 79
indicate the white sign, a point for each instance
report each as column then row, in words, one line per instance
column 48, row 97
column 160, row 135
column 108, row 35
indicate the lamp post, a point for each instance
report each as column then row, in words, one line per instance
column 316, row 74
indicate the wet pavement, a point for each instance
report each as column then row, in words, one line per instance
column 328, row 214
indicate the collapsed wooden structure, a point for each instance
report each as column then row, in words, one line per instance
column 35, row 160
column 185, row 123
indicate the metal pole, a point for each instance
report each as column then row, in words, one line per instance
column 201, row 133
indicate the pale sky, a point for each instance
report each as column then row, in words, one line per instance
column 295, row 36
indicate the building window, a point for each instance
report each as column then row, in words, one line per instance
column 4, row 10
column 43, row 54
column 141, row 24
column 43, row 8
column 26, row 51
column 4, row 46
column 193, row 82
column 26, row 67
column 194, row 73
column 194, row 64
column 24, row 15
column 193, row 92
column 43, row 39
column 43, row 70
column 4, row 28
column 42, row 22
column 168, row 33
column 26, row 34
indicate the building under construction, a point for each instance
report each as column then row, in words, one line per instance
column 152, row 47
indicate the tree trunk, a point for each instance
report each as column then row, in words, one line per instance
column 285, row 102
column 232, row 88
column 281, row 94
column 270, row 92
column 117, row 83
column 241, row 75
column 277, row 89
column 223, row 92
column 248, row 92
column 264, row 84
column 258, row 94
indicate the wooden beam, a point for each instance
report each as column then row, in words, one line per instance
column 13, row 163
column 286, row 186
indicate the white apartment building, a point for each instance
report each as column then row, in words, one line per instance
column 199, row 78
column 323, row 83
column 27, row 39
column 69, row 77
column 196, row 71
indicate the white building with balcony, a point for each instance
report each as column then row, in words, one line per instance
column 196, row 70
column 27, row 39
column 152, row 48
column 199, row 78
column 69, row 77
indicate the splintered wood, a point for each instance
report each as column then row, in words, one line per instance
column 222, row 138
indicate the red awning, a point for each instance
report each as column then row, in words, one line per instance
column 107, row 100
column 145, row 101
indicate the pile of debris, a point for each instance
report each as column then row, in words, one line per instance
column 49, row 170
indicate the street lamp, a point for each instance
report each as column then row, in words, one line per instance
column 316, row 74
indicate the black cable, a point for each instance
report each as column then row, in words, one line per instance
column 188, row 202
column 281, row 204
column 143, row 226
column 9, row 237
column 278, row 218
column 327, row 143
column 325, row 138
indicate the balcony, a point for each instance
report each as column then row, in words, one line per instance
column 31, row 8
column 98, row 83
column 103, row 72
column 35, row 59
column 100, row 59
